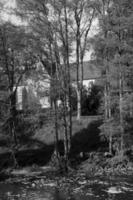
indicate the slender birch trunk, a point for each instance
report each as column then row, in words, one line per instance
column 12, row 126
column 56, row 130
column 78, row 78
column 68, row 77
column 121, row 110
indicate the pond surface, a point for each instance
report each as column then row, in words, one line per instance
column 74, row 188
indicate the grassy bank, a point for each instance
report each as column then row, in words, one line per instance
column 39, row 148
column 87, row 153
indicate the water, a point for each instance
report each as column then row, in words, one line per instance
column 117, row 188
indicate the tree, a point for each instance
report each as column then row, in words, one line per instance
column 122, row 30
column 16, row 59
column 62, row 45
column 53, row 48
column 83, row 13
column 115, row 51
column 102, row 55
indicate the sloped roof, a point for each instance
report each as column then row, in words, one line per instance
column 90, row 71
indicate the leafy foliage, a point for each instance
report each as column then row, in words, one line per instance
column 114, row 50
column 91, row 100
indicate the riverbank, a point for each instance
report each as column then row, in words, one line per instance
column 96, row 166
column 74, row 185
column 39, row 148
column 87, row 155
column 99, row 164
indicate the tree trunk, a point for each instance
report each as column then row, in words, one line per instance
column 13, row 117
column 82, row 79
column 12, row 125
column 78, row 104
column 121, row 111
column 109, row 115
column 105, row 103
column 68, row 74
column 66, row 142
column 78, row 77
column 56, row 130
column 110, row 131
column 107, row 95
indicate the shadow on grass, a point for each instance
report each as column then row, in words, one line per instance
column 27, row 157
column 33, row 156
column 39, row 153
column 87, row 139
column 40, row 156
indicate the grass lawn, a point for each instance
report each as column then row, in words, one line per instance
column 46, row 133
column 39, row 148
column 85, row 135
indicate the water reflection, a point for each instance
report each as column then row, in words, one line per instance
column 111, row 197
column 92, row 190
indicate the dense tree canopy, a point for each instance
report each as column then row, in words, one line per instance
column 114, row 50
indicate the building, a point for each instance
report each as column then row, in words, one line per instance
column 35, row 89
column 91, row 74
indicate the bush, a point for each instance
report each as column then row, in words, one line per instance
column 118, row 160
column 91, row 100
